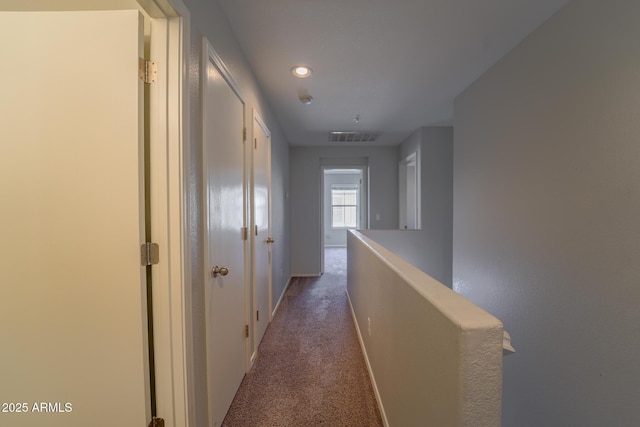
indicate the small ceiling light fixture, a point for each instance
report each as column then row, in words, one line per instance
column 306, row 99
column 301, row 71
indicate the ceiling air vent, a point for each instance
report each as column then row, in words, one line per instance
column 352, row 136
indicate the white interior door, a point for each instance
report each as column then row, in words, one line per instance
column 409, row 192
column 411, row 195
column 261, row 229
column 225, row 206
column 72, row 310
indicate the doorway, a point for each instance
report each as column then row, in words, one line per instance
column 409, row 192
column 344, row 204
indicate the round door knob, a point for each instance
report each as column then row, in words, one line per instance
column 223, row 271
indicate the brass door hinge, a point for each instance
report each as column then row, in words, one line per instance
column 244, row 134
column 245, row 233
column 149, row 254
column 246, row 331
column 147, row 70
column 156, row 422
column 255, row 143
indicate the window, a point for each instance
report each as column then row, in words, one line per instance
column 344, row 206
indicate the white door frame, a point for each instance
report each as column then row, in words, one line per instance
column 170, row 46
column 364, row 201
column 169, row 202
column 412, row 159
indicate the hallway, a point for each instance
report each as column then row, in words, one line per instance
column 310, row 369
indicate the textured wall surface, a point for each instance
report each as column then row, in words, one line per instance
column 435, row 357
column 546, row 209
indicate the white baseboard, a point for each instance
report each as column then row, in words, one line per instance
column 273, row 313
column 385, row 422
column 307, row 275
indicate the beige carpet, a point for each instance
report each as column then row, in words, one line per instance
column 310, row 370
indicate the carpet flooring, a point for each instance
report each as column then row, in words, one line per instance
column 310, row 370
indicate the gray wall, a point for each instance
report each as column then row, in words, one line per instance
column 547, row 215
column 430, row 248
column 207, row 20
column 306, row 177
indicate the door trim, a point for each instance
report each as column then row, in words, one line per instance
column 403, row 192
column 363, row 166
column 171, row 211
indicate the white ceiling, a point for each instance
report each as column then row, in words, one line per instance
column 398, row 64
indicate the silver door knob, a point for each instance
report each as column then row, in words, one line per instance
column 223, row 271
column 270, row 240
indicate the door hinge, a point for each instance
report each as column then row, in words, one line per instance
column 244, row 134
column 256, row 230
column 246, row 331
column 147, row 70
column 156, row 422
column 255, row 143
column 245, row 233
column 149, row 253
column 257, row 315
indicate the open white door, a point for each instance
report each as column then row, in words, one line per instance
column 409, row 192
column 262, row 239
column 223, row 118
column 72, row 313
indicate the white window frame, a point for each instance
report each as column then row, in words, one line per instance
column 346, row 187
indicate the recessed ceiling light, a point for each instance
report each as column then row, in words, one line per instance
column 301, row 71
